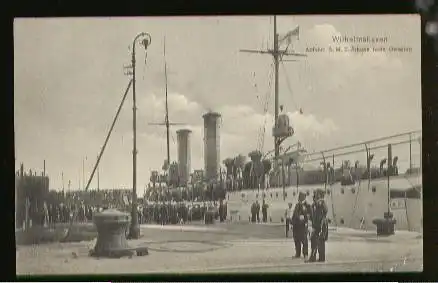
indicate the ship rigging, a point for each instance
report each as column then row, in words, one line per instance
column 166, row 123
column 280, row 133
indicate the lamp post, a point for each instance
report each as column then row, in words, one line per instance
column 134, row 231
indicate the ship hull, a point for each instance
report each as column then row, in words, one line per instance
column 353, row 206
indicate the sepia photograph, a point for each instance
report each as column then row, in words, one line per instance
column 218, row 144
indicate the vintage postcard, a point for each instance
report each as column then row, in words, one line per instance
column 218, row 144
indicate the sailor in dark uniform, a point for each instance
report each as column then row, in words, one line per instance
column 300, row 217
column 319, row 234
column 253, row 212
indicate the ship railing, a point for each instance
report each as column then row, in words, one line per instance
column 373, row 141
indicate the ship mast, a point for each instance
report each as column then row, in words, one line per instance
column 167, row 106
column 277, row 55
column 167, row 122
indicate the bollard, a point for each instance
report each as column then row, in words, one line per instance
column 111, row 240
column 385, row 226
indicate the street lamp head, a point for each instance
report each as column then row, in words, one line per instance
column 146, row 41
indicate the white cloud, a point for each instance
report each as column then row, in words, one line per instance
column 240, row 129
column 245, row 121
column 342, row 94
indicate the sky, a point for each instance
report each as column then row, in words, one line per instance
column 69, row 80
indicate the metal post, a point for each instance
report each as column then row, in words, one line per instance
column 334, row 168
column 410, row 153
column 421, row 157
column 282, row 179
column 134, row 232
column 98, row 180
column 298, row 175
column 388, row 171
column 421, row 176
column 98, row 177
column 83, row 172
column 276, row 65
column 167, row 112
column 325, row 172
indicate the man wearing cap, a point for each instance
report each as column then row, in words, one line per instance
column 319, row 231
column 300, row 218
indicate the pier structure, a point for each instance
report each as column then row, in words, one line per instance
column 30, row 194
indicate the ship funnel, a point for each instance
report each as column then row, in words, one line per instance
column 184, row 155
column 211, row 145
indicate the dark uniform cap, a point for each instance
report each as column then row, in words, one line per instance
column 301, row 194
column 319, row 193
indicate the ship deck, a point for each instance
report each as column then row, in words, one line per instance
column 229, row 247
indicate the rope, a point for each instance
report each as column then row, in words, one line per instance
column 288, row 85
column 407, row 214
column 75, row 213
column 261, row 142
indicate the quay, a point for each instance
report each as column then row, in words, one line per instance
column 228, row 247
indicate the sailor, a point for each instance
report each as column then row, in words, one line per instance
column 221, row 211
column 264, row 211
column 140, row 214
column 45, row 214
column 300, row 217
column 288, row 215
column 163, row 213
column 319, row 230
column 258, row 210
column 225, row 210
column 253, row 212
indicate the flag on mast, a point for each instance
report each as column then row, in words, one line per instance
column 287, row 38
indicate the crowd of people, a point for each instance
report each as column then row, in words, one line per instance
column 307, row 221
column 60, row 208
column 195, row 192
column 180, row 212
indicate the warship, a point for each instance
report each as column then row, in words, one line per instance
column 356, row 194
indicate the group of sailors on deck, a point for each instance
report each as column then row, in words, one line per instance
column 180, row 212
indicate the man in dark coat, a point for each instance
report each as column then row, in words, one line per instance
column 221, row 211
column 319, row 234
column 253, row 212
column 163, row 213
column 264, row 211
column 300, row 217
